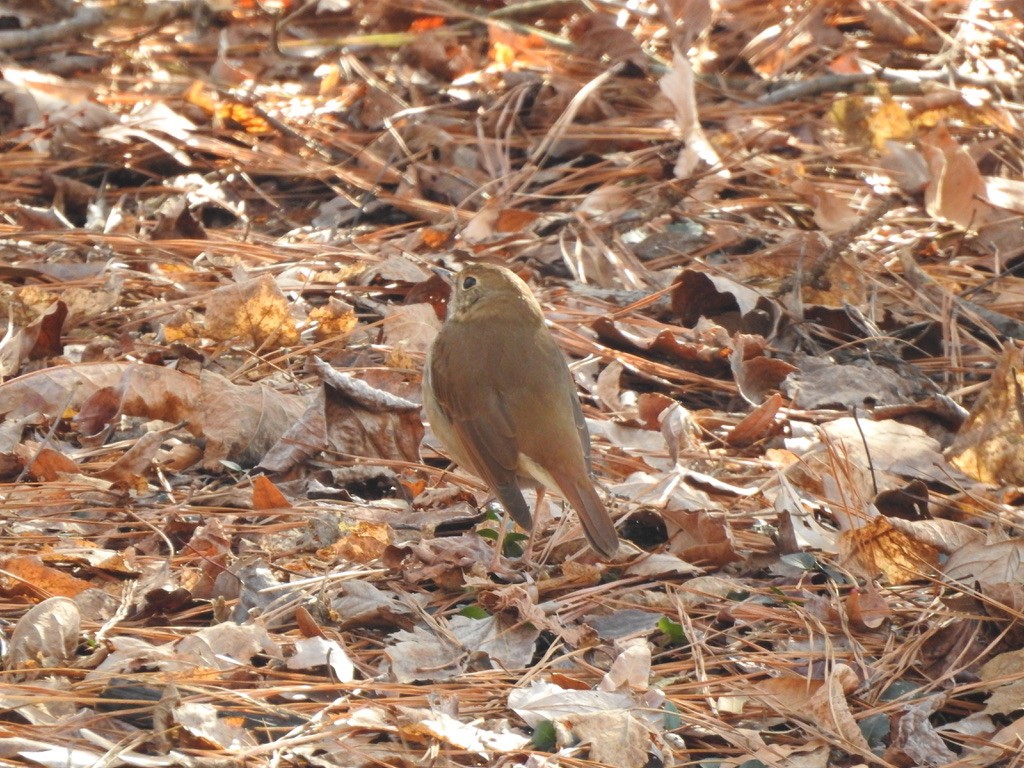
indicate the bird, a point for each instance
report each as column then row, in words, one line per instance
column 500, row 398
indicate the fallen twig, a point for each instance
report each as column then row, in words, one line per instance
column 83, row 19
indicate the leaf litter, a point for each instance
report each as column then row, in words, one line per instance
column 779, row 245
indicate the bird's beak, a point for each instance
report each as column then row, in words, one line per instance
column 445, row 274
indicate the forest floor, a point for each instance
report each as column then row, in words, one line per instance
column 781, row 245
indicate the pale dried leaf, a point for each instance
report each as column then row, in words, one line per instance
column 201, row 721
column 422, row 656
column 916, row 737
column 678, row 86
column 45, row 636
column 631, row 669
column 617, row 738
column 311, row 652
column 988, row 563
column 510, row 644
column 473, row 738
column 831, row 709
column 547, row 701
column 956, row 191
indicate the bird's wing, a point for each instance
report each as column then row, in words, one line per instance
column 481, row 424
column 525, row 392
column 581, row 428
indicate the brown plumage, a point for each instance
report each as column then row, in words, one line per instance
column 502, row 402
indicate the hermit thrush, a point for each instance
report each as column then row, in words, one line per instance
column 502, row 402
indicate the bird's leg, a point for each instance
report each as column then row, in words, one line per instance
column 499, row 544
column 528, row 550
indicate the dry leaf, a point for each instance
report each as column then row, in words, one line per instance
column 832, row 213
column 45, row 636
column 956, row 191
column 988, row 563
column 697, row 153
column 700, row 538
column 990, row 444
column 617, row 738
column 311, row 652
column 27, row 575
column 255, row 311
column 867, row 607
column 266, row 495
column 878, row 548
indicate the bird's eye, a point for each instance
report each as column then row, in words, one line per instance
column 468, row 282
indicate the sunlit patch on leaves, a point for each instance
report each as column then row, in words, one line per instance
column 989, row 445
column 425, row 23
column 231, row 113
column 878, row 548
column 435, row 238
column 508, row 47
column 27, row 576
column 889, row 122
column 256, row 311
column 335, row 321
column 852, row 116
column 363, row 542
column 183, row 326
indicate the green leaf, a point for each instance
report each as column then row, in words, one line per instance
column 671, row 718
column 899, row 690
column 802, row 560
column 544, row 736
column 513, row 545
column 673, row 630
column 876, row 729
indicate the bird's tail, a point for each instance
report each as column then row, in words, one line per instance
column 597, row 523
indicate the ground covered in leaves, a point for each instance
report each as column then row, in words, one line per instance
column 781, row 245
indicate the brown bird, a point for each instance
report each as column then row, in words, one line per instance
column 502, row 402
